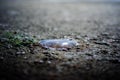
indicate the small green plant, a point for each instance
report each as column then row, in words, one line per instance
column 17, row 39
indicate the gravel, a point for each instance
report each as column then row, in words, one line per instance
column 94, row 25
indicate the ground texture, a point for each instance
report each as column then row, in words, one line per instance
column 96, row 27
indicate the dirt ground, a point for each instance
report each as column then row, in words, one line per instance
column 95, row 26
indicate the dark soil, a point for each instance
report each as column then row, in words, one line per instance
column 95, row 26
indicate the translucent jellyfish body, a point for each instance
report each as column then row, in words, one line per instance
column 58, row 44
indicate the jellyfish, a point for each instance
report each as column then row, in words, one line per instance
column 58, row 44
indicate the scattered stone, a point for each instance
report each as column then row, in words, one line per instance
column 9, row 46
column 1, row 58
column 23, row 52
column 89, row 54
column 105, row 34
column 25, row 57
column 41, row 61
column 101, row 43
column 38, row 61
column 49, row 62
column 20, row 53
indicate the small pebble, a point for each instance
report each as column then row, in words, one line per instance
column 49, row 62
column 20, row 53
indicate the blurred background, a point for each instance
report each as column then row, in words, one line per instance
column 49, row 16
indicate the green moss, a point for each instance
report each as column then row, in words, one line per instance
column 17, row 39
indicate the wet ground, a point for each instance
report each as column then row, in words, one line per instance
column 95, row 26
